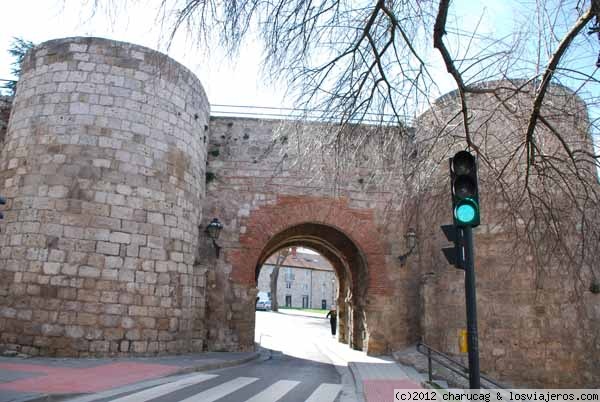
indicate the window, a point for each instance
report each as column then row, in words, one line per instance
column 288, row 300
column 288, row 285
column 289, row 275
column 305, row 286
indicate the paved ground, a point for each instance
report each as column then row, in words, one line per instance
column 30, row 379
column 277, row 378
column 301, row 360
column 307, row 336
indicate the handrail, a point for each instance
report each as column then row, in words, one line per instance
column 432, row 355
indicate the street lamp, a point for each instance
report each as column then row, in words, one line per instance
column 213, row 230
column 411, row 243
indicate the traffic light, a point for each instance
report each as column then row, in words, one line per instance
column 454, row 255
column 465, row 195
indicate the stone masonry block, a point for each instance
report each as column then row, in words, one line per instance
column 108, row 248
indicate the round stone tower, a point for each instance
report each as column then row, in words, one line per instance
column 103, row 169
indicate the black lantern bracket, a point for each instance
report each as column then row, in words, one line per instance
column 213, row 230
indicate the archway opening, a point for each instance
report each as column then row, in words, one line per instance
column 297, row 278
column 347, row 265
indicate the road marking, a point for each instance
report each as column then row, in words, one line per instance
column 325, row 393
column 122, row 390
column 220, row 391
column 164, row 389
column 274, row 392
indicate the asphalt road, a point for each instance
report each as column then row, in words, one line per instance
column 295, row 368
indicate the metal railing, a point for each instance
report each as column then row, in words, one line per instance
column 452, row 365
column 315, row 115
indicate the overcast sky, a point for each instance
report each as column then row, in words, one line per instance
column 226, row 81
column 233, row 82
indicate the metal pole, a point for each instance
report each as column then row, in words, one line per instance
column 429, row 370
column 471, row 301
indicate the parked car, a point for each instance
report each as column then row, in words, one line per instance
column 263, row 302
column 263, row 305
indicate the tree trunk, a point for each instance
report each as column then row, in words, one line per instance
column 275, row 276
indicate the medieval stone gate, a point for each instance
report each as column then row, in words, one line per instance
column 264, row 212
column 113, row 167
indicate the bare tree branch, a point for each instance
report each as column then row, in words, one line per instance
column 547, row 78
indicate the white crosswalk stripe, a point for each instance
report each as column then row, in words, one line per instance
column 220, row 391
column 274, row 392
column 164, row 389
column 325, row 393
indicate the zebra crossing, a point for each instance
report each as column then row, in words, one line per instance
column 324, row 392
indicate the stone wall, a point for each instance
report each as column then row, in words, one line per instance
column 103, row 167
column 258, row 193
column 103, row 249
column 538, row 321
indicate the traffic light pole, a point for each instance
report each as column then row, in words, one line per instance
column 465, row 213
column 471, row 301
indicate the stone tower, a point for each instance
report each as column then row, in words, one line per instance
column 103, row 167
column 111, row 178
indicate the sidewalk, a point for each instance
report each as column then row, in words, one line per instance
column 47, row 379
column 377, row 381
column 375, row 378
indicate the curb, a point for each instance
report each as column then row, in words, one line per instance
column 358, row 386
column 218, row 365
column 184, row 370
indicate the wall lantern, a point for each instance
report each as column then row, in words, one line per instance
column 213, row 230
column 411, row 242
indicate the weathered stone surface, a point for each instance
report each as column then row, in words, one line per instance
column 112, row 145
column 524, row 313
column 264, row 209
column 103, row 250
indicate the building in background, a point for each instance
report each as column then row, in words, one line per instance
column 306, row 280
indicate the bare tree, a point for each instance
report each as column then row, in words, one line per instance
column 377, row 62
column 274, row 277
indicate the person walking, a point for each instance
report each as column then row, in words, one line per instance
column 332, row 315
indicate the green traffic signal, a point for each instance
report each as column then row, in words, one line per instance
column 465, row 194
column 466, row 212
